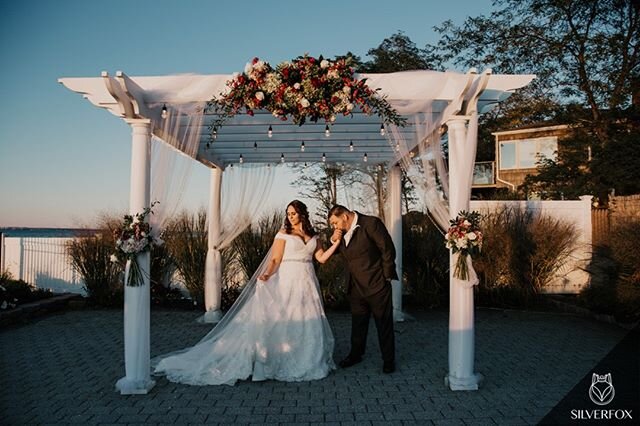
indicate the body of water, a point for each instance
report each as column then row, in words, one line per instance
column 46, row 232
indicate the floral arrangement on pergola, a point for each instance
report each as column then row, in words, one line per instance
column 305, row 88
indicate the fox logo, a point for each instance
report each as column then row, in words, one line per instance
column 601, row 390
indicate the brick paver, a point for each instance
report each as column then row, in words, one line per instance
column 62, row 369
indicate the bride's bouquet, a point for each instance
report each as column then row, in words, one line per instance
column 134, row 237
column 464, row 237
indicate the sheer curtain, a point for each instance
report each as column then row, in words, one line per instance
column 243, row 194
column 174, row 147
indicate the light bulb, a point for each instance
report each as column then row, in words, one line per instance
column 382, row 131
column 270, row 132
column 302, row 146
column 241, row 160
column 327, row 132
column 255, row 146
column 364, row 158
column 351, row 146
column 164, row 111
column 282, row 158
column 324, row 158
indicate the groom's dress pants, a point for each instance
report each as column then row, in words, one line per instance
column 379, row 304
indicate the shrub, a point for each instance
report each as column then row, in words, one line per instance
column 253, row 244
column 425, row 261
column 522, row 251
column 186, row 242
column 18, row 292
column 615, row 283
column 90, row 257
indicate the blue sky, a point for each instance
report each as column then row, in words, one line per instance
column 64, row 161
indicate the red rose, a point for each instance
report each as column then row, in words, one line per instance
column 250, row 112
column 255, row 60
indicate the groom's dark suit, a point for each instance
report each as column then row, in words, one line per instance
column 370, row 260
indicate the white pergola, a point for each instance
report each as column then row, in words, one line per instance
column 139, row 102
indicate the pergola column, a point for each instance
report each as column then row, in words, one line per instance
column 137, row 299
column 461, row 374
column 395, row 229
column 213, row 268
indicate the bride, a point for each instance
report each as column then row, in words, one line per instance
column 277, row 329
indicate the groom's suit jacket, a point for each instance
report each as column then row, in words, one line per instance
column 370, row 256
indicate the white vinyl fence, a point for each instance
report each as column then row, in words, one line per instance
column 42, row 262
column 571, row 277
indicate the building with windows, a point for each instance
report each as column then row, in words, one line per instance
column 517, row 154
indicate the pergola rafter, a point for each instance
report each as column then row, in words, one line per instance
column 452, row 99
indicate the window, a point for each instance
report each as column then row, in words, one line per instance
column 525, row 153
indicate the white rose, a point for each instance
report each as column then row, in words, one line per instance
column 349, row 107
column 304, row 102
column 296, row 86
column 346, row 89
column 461, row 243
column 260, row 96
column 235, row 75
column 247, row 68
column 113, row 258
column 466, row 223
column 472, row 236
column 143, row 234
column 332, row 118
column 324, row 63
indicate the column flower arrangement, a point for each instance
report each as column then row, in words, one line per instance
column 132, row 237
column 465, row 238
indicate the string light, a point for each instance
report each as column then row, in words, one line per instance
column 351, row 146
column 382, row 130
column 324, row 158
column 282, row 158
column 255, row 146
column 214, row 133
column 164, row 111
column 270, row 131
column 268, row 165
column 365, row 158
column 302, row 147
column 397, row 146
column 327, row 132
column 241, row 160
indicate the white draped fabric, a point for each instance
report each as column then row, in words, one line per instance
column 174, row 145
column 237, row 199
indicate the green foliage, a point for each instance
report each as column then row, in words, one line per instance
column 615, row 283
column 522, row 252
column 18, row 292
column 425, row 261
column 90, row 257
column 396, row 53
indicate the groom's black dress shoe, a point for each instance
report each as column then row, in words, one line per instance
column 349, row 361
column 388, row 367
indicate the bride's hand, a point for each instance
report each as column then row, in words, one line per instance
column 264, row 277
column 337, row 236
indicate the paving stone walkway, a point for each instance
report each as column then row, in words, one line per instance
column 62, row 369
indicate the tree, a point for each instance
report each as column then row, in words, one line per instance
column 586, row 56
column 584, row 51
column 396, row 53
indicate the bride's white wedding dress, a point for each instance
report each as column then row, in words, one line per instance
column 278, row 330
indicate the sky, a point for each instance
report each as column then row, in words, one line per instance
column 63, row 161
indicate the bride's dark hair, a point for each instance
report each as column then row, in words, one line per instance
column 302, row 211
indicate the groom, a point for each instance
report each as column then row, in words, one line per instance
column 370, row 257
